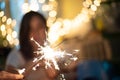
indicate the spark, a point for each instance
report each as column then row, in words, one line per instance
column 50, row 55
column 21, row 71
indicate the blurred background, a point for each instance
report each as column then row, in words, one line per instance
column 90, row 26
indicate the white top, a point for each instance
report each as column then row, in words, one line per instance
column 15, row 59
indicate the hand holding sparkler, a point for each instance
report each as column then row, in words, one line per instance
column 33, row 66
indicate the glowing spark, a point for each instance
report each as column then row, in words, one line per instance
column 50, row 55
column 35, row 67
column 75, row 58
column 21, row 71
column 62, row 77
column 76, row 50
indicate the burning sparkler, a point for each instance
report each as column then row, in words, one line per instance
column 49, row 56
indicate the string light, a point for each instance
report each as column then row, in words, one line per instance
column 52, row 13
column 41, row 1
column 9, row 37
column 6, row 28
column 14, row 34
column 25, row 8
column 2, row 27
column 88, row 10
column 93, row 7
column 34, row 5
column 16, row 41
column 4, row 19
column 1, row 13
column 97, row 2
column 3, row 33
column 9, row 21
column 46, row 7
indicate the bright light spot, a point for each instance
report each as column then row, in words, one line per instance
column 35, row 59
column 3, row 33
column 34, row 68
column 52, row 38
column 34, row 5
column 97, row 3
column 9, row 38
column 52, row 13
column 41, row 1
column 20, row 71
column 58, row 23
column 1, row 13
column 56, row 31
column 67, row 23
column 25, row 8
column 75, row 58
column 9, row 21
column 50, row 21
column 46, row 7
column 4, row 18
column 2, row 27
column 76, row 50
column 16, row 42
column 93, row 7
column 14, row 34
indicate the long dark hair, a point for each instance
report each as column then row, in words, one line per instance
column 25, row 45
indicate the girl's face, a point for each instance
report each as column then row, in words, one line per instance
column 37, row 31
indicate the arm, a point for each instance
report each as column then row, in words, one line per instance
column 7, row 75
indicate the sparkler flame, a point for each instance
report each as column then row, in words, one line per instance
column 49, row 56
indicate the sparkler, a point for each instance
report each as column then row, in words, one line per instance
column 49, row 56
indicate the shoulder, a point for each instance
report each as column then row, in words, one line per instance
column 15, row 59
column 14, row 53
